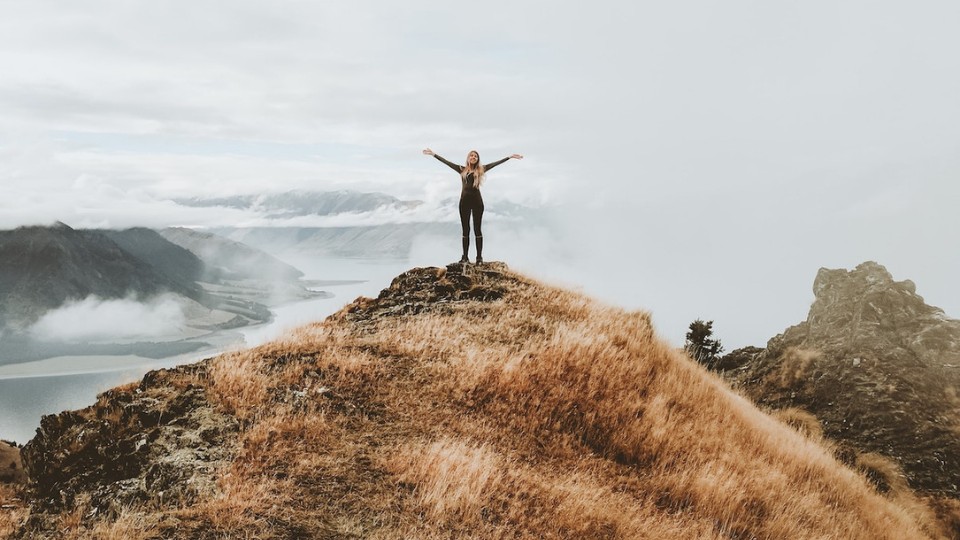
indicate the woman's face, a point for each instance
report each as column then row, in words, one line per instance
column 473, row 158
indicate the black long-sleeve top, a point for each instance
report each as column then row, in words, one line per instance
column 468, row 181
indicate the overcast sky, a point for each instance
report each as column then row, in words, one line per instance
column 701, row 159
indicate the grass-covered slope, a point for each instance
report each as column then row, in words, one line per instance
column 461, row 403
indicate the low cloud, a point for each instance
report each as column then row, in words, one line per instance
column 94, row 318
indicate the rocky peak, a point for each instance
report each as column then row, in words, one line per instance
column 868, row 273
column 879, row 368
column 865, row 309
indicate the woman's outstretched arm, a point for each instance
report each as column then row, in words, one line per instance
column 454, row 166
column 495, row 163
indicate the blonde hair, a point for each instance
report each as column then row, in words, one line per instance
column 478, row 171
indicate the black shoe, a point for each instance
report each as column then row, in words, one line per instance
column 479, row 259
column 464, row 259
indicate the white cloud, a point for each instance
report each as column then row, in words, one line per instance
column 773, row 127
column 95, row 318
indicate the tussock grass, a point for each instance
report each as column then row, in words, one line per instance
column 473, row 490
column 128, row 525
column 238, row 385
column 889, row 478
column 13, row 516
column 796, row 364
column 802, row 421
column 541, row 415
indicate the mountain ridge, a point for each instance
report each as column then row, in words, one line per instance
column 465, row 401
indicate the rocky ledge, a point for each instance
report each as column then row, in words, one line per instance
column 432, row 288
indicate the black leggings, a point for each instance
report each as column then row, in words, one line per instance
column 471, row 203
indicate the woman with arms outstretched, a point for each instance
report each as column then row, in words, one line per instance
column 471, row 177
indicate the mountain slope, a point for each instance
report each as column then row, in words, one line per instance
column 165, row 256
column 461, row 403
column 229, row 259
column 43, row 267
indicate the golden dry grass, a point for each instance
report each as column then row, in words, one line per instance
column 796, row 363
column 129, row 525
column 237, row 383
column 12, row 509
column 541, row 415
column 74, row 525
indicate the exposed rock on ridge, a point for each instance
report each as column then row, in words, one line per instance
column 161, row 439
column 878, row 367
column 430, row 288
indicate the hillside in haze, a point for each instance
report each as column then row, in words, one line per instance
column 226, row 259
column 462, row 402
column 392, row 240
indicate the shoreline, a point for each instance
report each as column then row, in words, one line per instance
column 216, row 343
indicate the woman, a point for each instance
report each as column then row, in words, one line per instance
column 471, row 177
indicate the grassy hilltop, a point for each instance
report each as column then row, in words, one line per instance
column 461, row 403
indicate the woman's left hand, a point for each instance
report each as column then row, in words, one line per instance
column 516, row 156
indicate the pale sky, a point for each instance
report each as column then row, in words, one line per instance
column 702, row 159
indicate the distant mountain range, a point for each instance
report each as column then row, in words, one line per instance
column 228, row 259
column 303, row 203
column 300, row 203
column 43, row 268
column 376, row 240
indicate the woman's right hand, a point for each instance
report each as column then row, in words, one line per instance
column 427, row 152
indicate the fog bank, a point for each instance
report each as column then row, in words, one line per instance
column 95, row 318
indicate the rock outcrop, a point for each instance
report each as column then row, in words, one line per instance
column 159, row 440
column 420, row 289
column 878, row 367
